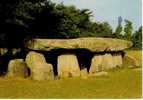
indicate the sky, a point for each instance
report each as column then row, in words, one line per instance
column 110, row 10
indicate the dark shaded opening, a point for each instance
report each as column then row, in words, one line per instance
column 3, row 66
column 51, row 57
column 29, row 72
column 4, row 60
column 84, row 58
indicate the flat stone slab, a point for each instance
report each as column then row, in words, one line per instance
column 92, row 44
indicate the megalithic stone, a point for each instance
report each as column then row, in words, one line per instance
column 107, row 62
column 40, row 69
column 68, row 66
column 33, row 57
column 95, row 64
column 117, row 60
column 17, row 68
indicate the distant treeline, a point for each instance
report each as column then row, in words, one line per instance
column 21, row 20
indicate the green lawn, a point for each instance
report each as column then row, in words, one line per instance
column 119, row 83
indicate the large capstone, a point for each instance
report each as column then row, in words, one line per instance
column 17, row 68
column 68, row 66
column 96, row 64
column 91, row 44
column 40, row 70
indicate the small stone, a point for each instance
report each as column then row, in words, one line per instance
column 102, row 73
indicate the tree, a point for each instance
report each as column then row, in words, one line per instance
column 59, row 21
column 137, row 38
column 128, row 30
column 44, row 19
column 119, row 28
column 118, row 31
column 69, row 18
column 103, row 29
column 7, row 15
column 12, row 21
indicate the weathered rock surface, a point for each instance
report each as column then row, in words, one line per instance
column 92, row 44
column 40, row 70
column 68, row 66
column 17, row 68
column 33, row 58
column 130, row 61
column 117, row 59
column 96, row 64
column 107, row 62
column 104, row 62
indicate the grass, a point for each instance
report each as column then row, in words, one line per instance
column 119, row 83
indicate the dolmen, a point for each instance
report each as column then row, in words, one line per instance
column 74, row 57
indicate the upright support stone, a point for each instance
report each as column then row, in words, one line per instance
column 117, row 59
column 40, row 70
column 33, row 57
column 17, row 68
column 68, row 66
column 95, row 64
column 107, row 62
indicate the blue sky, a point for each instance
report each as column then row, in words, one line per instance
column 110, row 10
